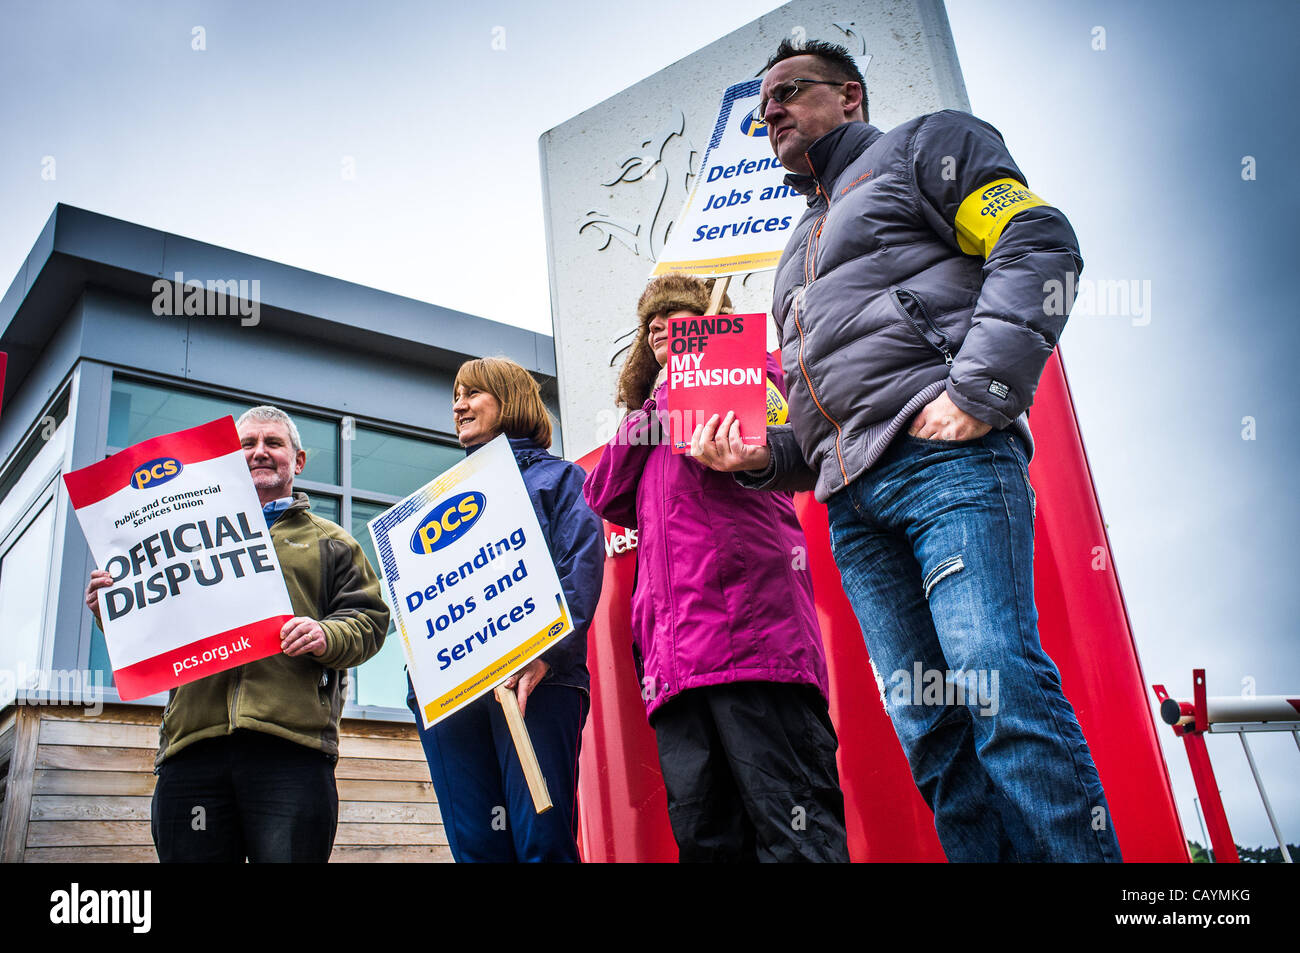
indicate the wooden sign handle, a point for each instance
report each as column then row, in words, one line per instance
column 719, row 289
column 524, row 748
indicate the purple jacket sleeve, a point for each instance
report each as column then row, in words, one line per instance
column 611, row 487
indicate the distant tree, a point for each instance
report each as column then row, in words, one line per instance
column 1266, row 855
column 1248, row 855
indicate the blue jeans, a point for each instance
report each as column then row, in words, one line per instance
column 935, row 546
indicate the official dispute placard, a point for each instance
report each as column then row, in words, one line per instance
column 717, row 363
column 469, row 579
column 197, row 588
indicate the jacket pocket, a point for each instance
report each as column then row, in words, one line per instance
column 913, row 310
column 332, row 688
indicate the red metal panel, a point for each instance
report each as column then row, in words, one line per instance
column 1084, row 627
column 1216, row 821
column 887, row 818
column 622, row 810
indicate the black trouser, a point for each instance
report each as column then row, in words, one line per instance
column 246, row 795
column 750, row 773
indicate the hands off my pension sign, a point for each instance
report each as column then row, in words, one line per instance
column 715, row 364
column 470, row 580
column 197, row 588
column 740, row 211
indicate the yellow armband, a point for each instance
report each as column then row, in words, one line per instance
column 985, row 212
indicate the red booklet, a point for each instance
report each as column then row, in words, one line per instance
column 717, row 363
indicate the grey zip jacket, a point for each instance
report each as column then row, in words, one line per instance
column 923, row 263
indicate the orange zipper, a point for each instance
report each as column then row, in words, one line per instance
column 809, row 255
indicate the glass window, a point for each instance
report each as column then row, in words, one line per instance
column 382, row 679
column 320, row 438
column 139, row 411
column 389, row 463
column 35, row 443
column 24, row 573
column 382, row 464
column 325, row 506
column 99, row 660
column 363, row 513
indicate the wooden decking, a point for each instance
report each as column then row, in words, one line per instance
column 78, row 788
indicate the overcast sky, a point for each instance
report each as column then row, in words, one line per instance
column 1140, row 133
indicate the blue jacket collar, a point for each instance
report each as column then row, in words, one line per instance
column 526, row 450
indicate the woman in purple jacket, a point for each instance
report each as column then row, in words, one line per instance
column 724, row 630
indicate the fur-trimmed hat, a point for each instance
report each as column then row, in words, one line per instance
column 675, row 292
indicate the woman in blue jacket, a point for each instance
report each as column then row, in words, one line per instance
column 486, row 808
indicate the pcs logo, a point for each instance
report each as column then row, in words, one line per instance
column 997, row 190
column 447, row 522
column 750, row 126
column 556, row 629
column 155, row 472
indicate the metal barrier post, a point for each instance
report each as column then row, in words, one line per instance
column 1268, row 808
column 1191, row 720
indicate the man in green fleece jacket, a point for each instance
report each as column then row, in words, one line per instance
column 246, row 756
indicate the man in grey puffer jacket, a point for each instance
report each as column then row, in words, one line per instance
column 913, row 308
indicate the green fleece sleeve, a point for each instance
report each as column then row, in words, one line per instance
column 354, row 616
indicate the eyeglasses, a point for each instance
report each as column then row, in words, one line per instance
column 787, row 91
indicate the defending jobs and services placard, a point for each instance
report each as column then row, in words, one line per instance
column 470, row 580
column 740, row 211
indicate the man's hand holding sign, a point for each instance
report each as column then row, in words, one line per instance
column 718, row 445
